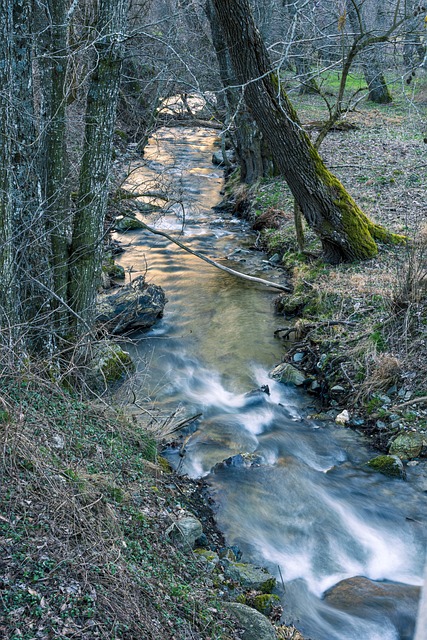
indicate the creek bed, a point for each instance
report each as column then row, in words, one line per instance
column 309, row 509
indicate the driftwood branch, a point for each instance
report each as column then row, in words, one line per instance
column 238, row 274
column 421, row 400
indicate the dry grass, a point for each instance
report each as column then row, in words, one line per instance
column 82, row 522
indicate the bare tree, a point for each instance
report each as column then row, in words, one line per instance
column 345, row 231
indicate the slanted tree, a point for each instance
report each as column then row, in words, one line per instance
column 345, row 232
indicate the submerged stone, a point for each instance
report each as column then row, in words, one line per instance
column 387, row 601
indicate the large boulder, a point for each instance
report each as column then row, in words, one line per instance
column 255, row 626
column 135, row 306
column 407, row 445
column 388, row 601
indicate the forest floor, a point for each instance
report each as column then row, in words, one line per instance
column 361, row 328
column 85, row 504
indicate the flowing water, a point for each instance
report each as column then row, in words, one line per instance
column 308, row 510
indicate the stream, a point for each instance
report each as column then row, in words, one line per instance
column 309, row 511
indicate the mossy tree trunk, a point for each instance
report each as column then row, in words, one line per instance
column 346, row 233
column 88, row 229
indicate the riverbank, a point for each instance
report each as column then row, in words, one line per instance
column 359, row 330
column 88, row 530
column 86, row 504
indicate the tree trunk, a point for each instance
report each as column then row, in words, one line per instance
column 253, row 158
column 56, row 190
column 300, row 57
column 371, row 56
column 32, row 248
column 8, row 281
column 88, row 230
column 346, row 233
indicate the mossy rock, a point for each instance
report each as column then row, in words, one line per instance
column 123, row 224
column 255, row 626
column 387, row 465
column 248, row 576
column 113, row 270
column 289, row 375
column 265, row 603
column 110, row 364
column 164, row 464
column 407, row 445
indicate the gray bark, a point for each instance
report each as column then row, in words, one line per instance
column 300, row 57
column 8, row 280
column 31, row 243
column 371, row 56
column 88, row 229
column 253, row 158
column 56, row 190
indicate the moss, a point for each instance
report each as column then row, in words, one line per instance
column 113, row 270
column 265, row 603
column 361, row 233
column 164, row 464
column 115, row 367
column 387, row 465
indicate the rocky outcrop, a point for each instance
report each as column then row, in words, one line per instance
column 132, row 307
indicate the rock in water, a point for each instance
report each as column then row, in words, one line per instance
column 387, row 601
column 288, row 374
column 388, row 465
column 135, row 306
